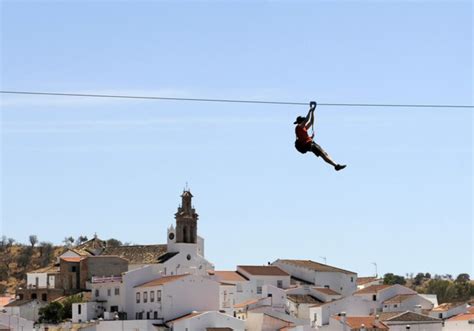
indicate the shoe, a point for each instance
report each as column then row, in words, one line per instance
column 339, row 167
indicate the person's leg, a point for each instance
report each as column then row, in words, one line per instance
column 319, row 151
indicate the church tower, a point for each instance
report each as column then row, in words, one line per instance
column 186, row 220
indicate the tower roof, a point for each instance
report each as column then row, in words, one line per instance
column 186, row 193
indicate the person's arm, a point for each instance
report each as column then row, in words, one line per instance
column 310, row 116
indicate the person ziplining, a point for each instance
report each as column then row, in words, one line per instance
column 304, row 143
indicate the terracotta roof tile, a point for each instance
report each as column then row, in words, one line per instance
column 315, row 266
column 448, row 305
column 72, row 259
column 228, row 276
column 138, row 254
column 365, row 280
column 162, row 281
column 410, row 316
column 326, row 291
column 355, row 322
column 190, row 315
column 244, row 304
column 268, row 270
column 373, row 289
column 399, row 298
column 303, row 298
column 462, row 317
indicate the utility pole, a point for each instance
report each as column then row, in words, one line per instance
column 376, row 271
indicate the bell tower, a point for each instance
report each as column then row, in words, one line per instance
column 186, row 220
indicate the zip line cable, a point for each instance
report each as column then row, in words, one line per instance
column 234, row 100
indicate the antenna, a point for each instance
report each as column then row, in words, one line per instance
column 376, row 271
column 324, row 258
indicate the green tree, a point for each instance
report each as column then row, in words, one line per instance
column 444, row 290
column 46, row 253
column 67, row 305
column 113, row 243
column 462, row 278
column 51, row 313
column 419, row 278
column 392, row 279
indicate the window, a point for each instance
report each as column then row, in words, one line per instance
column 395, row 306
column 138, row 298
column 44, row 297
column 239, row 287
column 352, row 279
column 117, row 291
column 440, row 315
column 158, row 296
column 34, row 296
column 145, row 297
column 73, row 269
column 147, row 315
column 374, row 297
column 155, row 315
column 79, row 309
column 97, row 293
column 326, row 286
column 114, row 309
column 279, row 283
column 259, row 290
column 152, row 296
column 109, row 292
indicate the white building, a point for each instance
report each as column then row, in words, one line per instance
column 320, row 314
column 363, row 282
column 320, row 275
column 462, row 322
column 416, row 321
column 447, row 310
column 203, row 321
column 381, row 293
column 258, row 276
column 355, row 323
column 27, row 309
column 233, row 277
column 404, row 302
column 170, row 297
column 42, row 278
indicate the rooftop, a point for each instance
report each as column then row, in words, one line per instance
column 447, row 306
column 228, row 276
column 355, row 322
column 410, row 316
column 161, row 281
column 326, row 291
column 184, row 317
column 315, row 266
column 365, row 280
column 462, row 317
column 268, row 270
column 18, row 303
column 399, row 298
column 138, row 254
column 372, row 289
column 303, row 298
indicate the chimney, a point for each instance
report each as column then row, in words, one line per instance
column 343, row 320
column 418, row 309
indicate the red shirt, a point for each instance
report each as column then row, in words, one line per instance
column 302, row 134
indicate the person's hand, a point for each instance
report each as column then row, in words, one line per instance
column 313, row 105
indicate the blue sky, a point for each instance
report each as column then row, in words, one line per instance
column 78, row 166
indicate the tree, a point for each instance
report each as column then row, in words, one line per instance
column 4, row 273
column 10, row 242
column 428, row 275
column 46, row 253
column 33, row 240
column 67, row 305
column 24, row 259
column 391, row 279
column 462, row 278
column 81, row 239
column 113, row 243
column 51, row 313
column 68, row 241
column 419, row 278
column 444, row 290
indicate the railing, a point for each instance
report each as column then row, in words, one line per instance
column 98, row 280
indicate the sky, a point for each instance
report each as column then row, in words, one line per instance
column 78, row 166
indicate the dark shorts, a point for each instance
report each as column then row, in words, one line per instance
column 309, row 147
